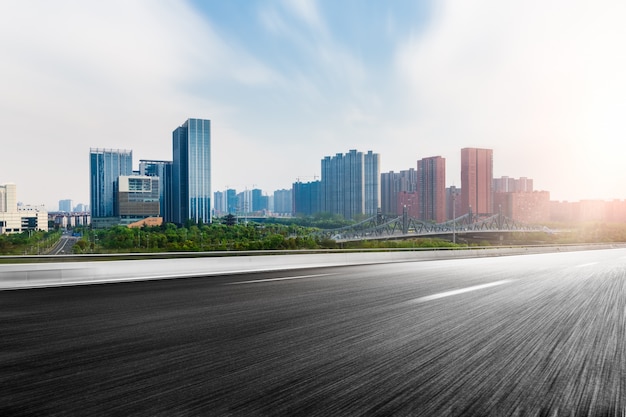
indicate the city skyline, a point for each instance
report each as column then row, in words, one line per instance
column 286, row 82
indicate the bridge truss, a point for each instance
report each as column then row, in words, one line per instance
column 380, row 227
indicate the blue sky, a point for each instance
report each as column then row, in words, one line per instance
column 286, row 83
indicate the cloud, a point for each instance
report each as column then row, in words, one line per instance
column 539, row 81
column 116, row 74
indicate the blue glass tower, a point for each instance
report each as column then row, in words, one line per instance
column 191, row 172
column 105, row 166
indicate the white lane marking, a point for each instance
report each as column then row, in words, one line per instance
column 584, row 265
column 460, row 291
column 256, row 281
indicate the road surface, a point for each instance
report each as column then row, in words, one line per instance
column 538, row 335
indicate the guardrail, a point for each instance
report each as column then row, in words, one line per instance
column 45, row 271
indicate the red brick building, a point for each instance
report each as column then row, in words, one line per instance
column 526, row 207
column 476, row 180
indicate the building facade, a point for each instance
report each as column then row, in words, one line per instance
column 16, row 218
column 105, row 167
column 431, row 186
column 350, row 184
column 512, row 185
column 283, row 203
column 453, row 202
column 138, row 198
column 66, row 206
column 163, row 171
column 372, row 183
column 306, row 198
column 476, row 180
column 526, row 207
column 394, row 183
column 191, row 172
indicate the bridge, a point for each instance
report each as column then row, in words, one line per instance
column 404, row 226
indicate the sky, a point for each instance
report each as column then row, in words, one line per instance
column 287, row 82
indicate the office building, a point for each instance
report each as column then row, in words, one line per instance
column 163, row 171
column 137, row 198
column 431, row 189
column 191, row 172
column 476, row 180
column 16, row 218
column 105, row 167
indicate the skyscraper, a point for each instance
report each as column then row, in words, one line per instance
column 191, row 172
column 65, row 205
column 306, row 198
column 283, row 203
column 431, row 185
column 350, row 184
column 372, row 182
column 105, row 167
column 476, row 180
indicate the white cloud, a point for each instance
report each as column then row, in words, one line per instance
column 539, row 81
column 115, row 74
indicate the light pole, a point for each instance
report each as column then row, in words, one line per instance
column 454, row 217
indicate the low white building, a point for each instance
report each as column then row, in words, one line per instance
column 17, row 219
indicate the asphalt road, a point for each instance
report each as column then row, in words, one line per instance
column 537, row 335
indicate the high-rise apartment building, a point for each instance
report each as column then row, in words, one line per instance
column 453, row 202
column 476, row 180
column 231, row 201
column 219, row 203
column 191, row 172
column 397, row 190
column 65, row 205
column 431, row 186
column 372, row 182
column 512, row 185
column 163, row 171
column 350, row 184
column 306, row 198
column 105, row 167
column 283, row 204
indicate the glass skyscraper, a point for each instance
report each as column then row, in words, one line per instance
column 191, row 172
column 105, row 167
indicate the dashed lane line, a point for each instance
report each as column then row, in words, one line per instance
column 258, row 281
column 459, row 291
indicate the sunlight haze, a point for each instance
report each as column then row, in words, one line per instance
column 286, row 83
